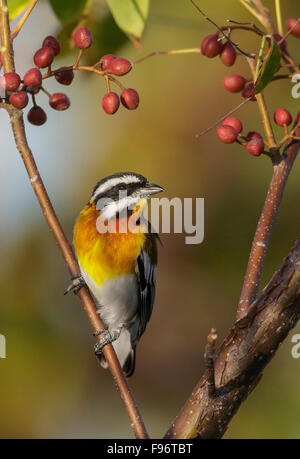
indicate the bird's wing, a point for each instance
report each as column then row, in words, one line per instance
column 146, row 270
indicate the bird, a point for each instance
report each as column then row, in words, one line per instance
column 119, row 265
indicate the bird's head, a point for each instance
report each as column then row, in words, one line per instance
column 122, row 192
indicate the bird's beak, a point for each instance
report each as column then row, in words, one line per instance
column 150, row 189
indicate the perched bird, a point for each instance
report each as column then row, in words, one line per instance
column 119, row 265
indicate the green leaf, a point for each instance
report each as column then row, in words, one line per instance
column 130, row 15
column 69, row 11
column 16, row 7
column 269, row 67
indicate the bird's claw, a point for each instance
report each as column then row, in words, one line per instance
column 77, row 283
column 108, row 338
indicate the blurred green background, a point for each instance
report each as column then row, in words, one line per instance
column 51, row 384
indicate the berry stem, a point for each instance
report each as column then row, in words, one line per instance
column 33, row 100
column 72, row 67
column 243, row 26
column 45, row 91
column 263, row 112
column 107, row 83
column 279, row 16
column 78, row 59
column 289, row 135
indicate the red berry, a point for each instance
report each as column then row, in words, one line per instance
column 249, row 92
column 36, row 116
column 282, row 43
column 44, row 57
column 234, row 83
column 83, row 38
column 130, row 98
column 298, row 117
column 110, row 103
column 228, row 55
column 65, row 77
column 255, row 146
column 52, row 42
column 253, row 135
column 12, row 81
column 19, row 99
column 212, row 47
column 33, row 78
column 204, row 41
column 234, row 122
column 120, row 66
column 227, row 134
column 106, row 61
column 59, row 101
column 290, row 23
column 282, row 117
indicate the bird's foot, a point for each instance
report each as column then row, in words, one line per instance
column 77, row 283
column 108, row 338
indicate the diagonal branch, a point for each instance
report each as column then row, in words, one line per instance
column 23, row 19
column 281, row 172
column 248, row 348
column 16, row 119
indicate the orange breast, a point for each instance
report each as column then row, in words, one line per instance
column 104, row 255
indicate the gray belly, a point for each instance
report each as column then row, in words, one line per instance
column 117, row 299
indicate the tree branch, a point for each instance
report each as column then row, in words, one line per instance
column 16, row 119
column 248, row 348
column 265, row 225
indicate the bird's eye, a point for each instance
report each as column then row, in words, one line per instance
column 122, row 187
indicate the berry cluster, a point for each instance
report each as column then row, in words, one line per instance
column 230, row 131
column 129, row 97
column 17, row 91
column 231, row 128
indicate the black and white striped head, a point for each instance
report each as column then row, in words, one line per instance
column 120, row 192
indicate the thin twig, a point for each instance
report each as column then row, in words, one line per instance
column 24, row 18
column 222, row 32
column 16, row 118
column 235, row 109
column 263, row 111
column 265, row 17
column 172, row 52
column 279, row 16
column 264, row 228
